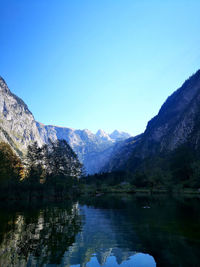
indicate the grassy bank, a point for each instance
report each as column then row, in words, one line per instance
column 128, row 189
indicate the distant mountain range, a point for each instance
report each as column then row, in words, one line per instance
column 19, row 128
column 93, row 150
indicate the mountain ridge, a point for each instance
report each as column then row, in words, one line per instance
column 17, row 124
column 92, row 149
column 176, row 123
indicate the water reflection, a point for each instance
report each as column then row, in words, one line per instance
column 37, row 238
column 102, row 243
column 104, row 231
column 168, row 230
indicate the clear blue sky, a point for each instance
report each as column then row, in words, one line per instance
column 94, row 64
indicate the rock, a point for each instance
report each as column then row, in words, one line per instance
column 17, row 124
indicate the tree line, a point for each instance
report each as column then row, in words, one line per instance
column 53, row 169
column 172, row 171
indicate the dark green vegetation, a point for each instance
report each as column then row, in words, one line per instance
column 114, row 229
column 177, row 171
column 50, row 172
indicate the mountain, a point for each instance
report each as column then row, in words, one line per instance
column 19, row 128
column 177, row 123
column 120, row 154
column 17, row 124
column 119, row 136
column 93, row 150
column 103, row 136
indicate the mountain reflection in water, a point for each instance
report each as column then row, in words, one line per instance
column 103, row 231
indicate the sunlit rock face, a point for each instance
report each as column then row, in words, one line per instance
column 119, row 136
column 17, row 124
column 177, row 123
column 93, row 150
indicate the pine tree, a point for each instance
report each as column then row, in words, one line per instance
column 62, row 160
column 55, row 159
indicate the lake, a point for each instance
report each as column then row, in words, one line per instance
column 109, row 230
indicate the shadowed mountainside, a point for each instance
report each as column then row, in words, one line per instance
column 177, row 123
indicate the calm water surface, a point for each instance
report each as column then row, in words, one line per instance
column 103, row 231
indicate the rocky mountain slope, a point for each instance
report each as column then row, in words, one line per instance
column 19, row 128
column 177, row 123
column 120, row 154
column 93, row 150
column 17, row 124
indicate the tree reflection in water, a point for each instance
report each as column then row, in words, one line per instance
column 38, row 238
column 108, row 230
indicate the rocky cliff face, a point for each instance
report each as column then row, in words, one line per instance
column 93, row 150
column 17, row 124
column 177, row 123
column 119, row 136
column 120, row 154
